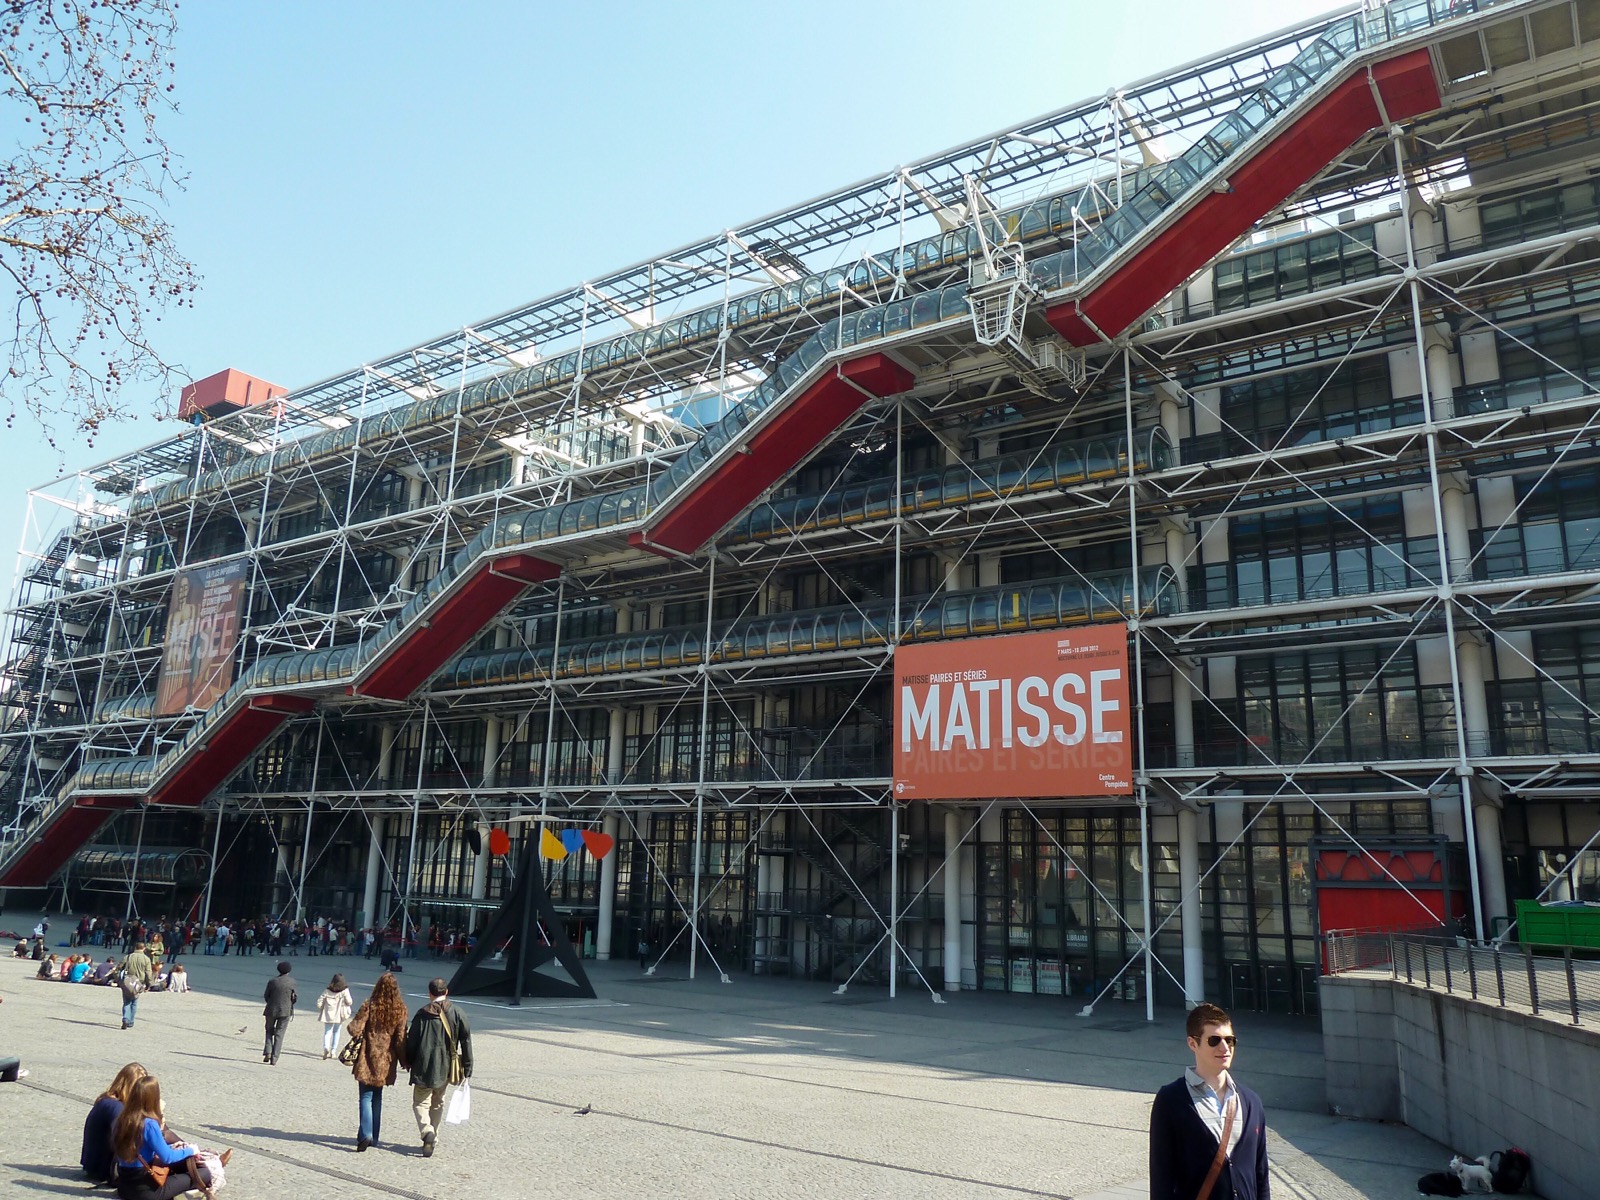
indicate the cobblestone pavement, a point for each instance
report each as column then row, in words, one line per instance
column 758, row 1088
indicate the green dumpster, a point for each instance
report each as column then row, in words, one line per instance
column 1567, row 924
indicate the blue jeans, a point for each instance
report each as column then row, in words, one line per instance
column 371, row 1111
column 130, row 1009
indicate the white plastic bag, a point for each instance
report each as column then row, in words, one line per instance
column 460, row 1107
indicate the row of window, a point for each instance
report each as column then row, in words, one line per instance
column 1296, row 268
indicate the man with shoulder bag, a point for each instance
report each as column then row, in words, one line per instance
column 439, row 1048
column 1208, row 1132
column 135, row 975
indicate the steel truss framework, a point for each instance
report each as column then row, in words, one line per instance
column 1401, row 308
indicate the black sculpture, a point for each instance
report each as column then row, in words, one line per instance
column 524, row 937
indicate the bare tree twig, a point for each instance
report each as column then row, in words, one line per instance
column 83, row 239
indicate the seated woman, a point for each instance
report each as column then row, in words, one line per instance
column 80, row 969
column 95, row 1157
column 178, row 979
column 21, row 950
column 149, row 1167
column 48, row 968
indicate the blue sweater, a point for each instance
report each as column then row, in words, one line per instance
column 96, row 1155
column 1182, row 1147
column 153, row 1148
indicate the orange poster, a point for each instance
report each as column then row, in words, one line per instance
column 1028, row 714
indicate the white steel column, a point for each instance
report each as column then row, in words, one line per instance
column 1135, row 630
column 385, row 751
column 1474, row 710
column 894, row 893
column 616, row 735
column 1432, row 410
column 1491, row 861
column 608, row 890
column 369, row 895
column 480, row 865
column 951, row 869
column 616, row 740
column 211, row 872
column 705, row 746
column 491, row 751
column 1194, row 973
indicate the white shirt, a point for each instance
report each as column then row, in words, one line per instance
column 1213, row 1106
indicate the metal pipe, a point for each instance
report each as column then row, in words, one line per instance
column 700, row 790
column 894, row 892
column 211, row 871
column 1447, row 583
column 1142, row 786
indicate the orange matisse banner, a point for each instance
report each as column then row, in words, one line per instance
column 1028, row 714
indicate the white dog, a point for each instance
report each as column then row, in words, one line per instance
column 1473, row 1173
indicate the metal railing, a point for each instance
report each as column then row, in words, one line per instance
column 1553, row 983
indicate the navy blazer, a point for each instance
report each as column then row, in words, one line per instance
column 1182, row 1147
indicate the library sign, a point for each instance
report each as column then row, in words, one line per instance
column 1027, row 714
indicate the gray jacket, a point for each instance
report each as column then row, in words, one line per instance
column 281, row 996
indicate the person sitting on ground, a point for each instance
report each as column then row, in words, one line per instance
column 48, row 969
column 178, row 979
column 21, row 950
column 80, row 969
column 103, row 973
column 95, row 1158
column 10, row 1068
column 137, row 1144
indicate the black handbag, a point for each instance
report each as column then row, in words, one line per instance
column 352, row 1050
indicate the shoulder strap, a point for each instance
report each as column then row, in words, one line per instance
column 1222, row 1150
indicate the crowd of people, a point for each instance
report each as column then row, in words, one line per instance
column 81, row 968
column 166, row 938
column 126, row 1139
column 435, row 1045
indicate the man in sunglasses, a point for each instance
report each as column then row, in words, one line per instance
column 1208, row 1132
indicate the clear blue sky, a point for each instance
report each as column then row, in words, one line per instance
column 363, row 176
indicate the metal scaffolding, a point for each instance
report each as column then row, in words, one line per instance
column 1335, row 387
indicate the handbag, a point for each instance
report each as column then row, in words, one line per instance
column 352, row 1050
column 1222, row 1153
column 457, row 1074
column 158, row 1172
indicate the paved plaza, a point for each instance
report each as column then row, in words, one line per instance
column 757, row 1088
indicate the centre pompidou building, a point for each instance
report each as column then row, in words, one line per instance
column 1269, row 380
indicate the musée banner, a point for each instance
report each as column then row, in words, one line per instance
column 1027, row 714
column 202, row 633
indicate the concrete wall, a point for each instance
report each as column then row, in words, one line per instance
column 1468, row 1074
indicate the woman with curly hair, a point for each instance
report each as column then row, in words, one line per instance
column 380, row 1026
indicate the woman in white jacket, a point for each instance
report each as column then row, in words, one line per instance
column 333, row 1010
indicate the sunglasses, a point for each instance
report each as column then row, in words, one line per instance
column 1216, row 1039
